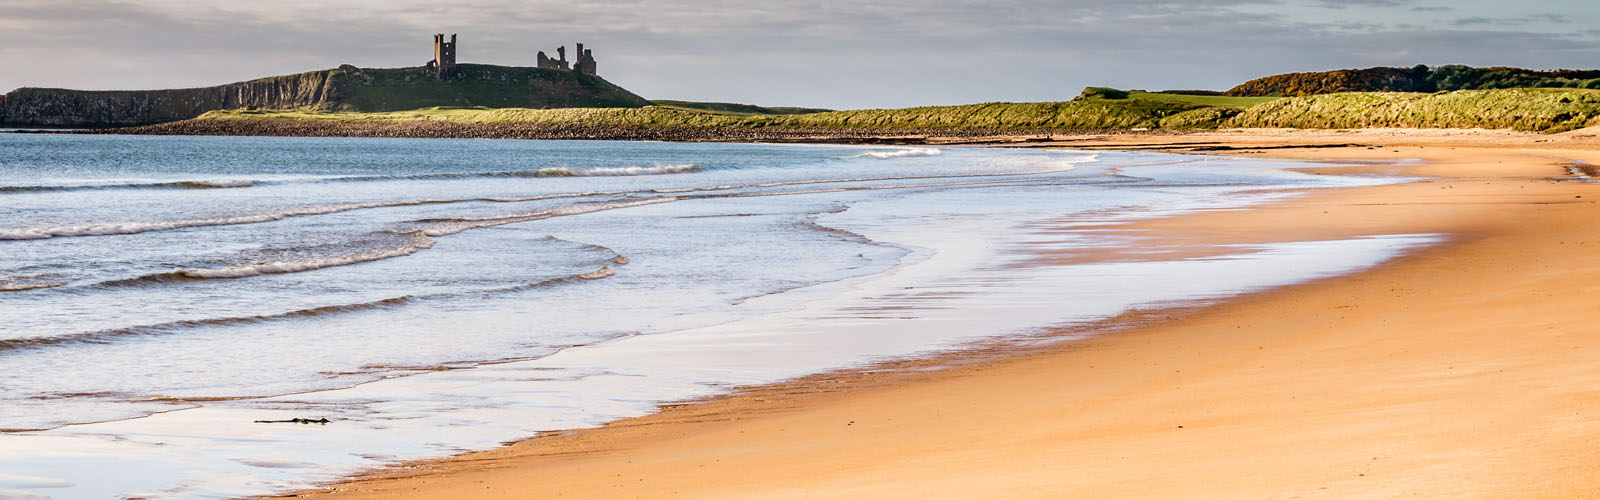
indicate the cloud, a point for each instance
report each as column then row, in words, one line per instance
column 1546, row 18
column 1341, row 4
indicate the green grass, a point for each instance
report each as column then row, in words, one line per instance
column 1542, row 110
column 1203, row 100
column 1079, row 114
column 1082, row 114
column 475, row 85
column 1546, row 110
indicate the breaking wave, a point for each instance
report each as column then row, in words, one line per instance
column 18, row 287
column 107, row 336
column 104, row 229
column 244, row 183
column 1061, row 165
column 537, row 173
column 899, row 153
column 413, row 242
column 409, row 243
column 214, row 184
column 111, row 335
column 114, row 228
column 613, row 171
column 604, row 272
column 33, row 281
column 449, row 226
column 197, row 184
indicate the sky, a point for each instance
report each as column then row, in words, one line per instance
column 831, row 54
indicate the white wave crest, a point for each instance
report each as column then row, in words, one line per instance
column 195, row 184
column 604, row 272
column 106, row 229
column 1081, row 159
column 446, row 227
column 1071, row 163
column 900, row 153
column 17, row 287
column 418, row 242
column 237, row 183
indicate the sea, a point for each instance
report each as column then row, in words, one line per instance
column 169, row 306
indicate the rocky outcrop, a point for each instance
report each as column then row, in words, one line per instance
column 80, row 108
column 346, row 89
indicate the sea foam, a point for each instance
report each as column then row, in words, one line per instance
column 900, row 153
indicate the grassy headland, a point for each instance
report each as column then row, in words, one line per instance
column 346, row 88
column 368, row 89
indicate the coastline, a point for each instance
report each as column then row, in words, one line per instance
column 1386, row 398
column 557, row 131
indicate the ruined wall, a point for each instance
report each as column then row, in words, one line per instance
column 585, row 63
column 100, row 108
column 545, row 62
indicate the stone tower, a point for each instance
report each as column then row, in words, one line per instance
column 585, row 62
column 444, row 55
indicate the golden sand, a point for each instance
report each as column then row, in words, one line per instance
column 1466, row 370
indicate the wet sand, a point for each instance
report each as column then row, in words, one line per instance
column 1464, row 370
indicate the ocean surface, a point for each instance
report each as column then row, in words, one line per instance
column 161, row 295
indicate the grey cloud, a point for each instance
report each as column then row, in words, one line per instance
column 1341, row 4
column 1514, row 21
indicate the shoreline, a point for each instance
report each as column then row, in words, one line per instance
column 1246, row 142
column 586, row 459
column 556, row 131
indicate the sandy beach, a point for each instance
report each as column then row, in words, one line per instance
column 1464, row 370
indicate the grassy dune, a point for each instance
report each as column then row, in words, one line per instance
column 1541, row 110
column 1545, row 110
column 1203, row 100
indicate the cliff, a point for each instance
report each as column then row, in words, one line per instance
column 344, row 89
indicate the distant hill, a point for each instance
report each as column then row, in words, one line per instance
column 1419, row 78
column 347, row 88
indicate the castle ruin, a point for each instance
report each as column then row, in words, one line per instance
column 444, row 56
column 584, row 64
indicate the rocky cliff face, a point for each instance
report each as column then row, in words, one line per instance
column 347, row 88
column 87, row 108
